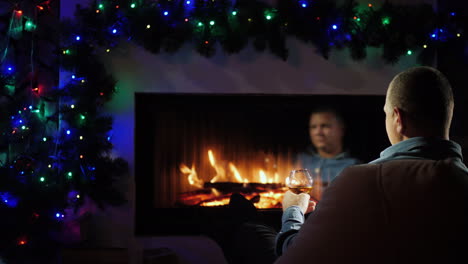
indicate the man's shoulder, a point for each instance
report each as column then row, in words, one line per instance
column 408, row 171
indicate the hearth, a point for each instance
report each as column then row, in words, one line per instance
column 193, row 151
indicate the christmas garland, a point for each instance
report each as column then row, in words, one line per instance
column 166, row 25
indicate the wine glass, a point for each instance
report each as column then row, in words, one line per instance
column 299, row 181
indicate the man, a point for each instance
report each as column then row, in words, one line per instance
column 326, row 158
column 408, row 206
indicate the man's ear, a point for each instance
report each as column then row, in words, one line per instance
column 399, row 119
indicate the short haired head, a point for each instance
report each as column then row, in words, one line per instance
column 329, row 109
column 326, row 131
column 423, row 95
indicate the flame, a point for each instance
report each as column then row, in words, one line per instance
column 226, row 171
column 263, row 177
column 220, row 172
column 215, row 192
column 211, row 158
column 192, row 175
column 236, row 173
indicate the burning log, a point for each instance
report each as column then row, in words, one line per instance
column 230, row 187
column 194, row 198
column 219, row 194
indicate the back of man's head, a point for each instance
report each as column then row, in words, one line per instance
column 425, row 96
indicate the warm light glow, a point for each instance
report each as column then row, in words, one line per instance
column 211, row 157
column 262, row 176
column 192, row 175
column 255, row 181
column 236, row 173
column 220, row 172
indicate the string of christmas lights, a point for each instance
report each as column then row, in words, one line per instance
column 165, row 25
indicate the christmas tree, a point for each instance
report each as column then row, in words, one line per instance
column 55, row 145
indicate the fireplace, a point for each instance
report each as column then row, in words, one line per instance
column 192, row 151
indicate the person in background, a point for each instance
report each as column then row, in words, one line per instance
column 327, row 156
column 408, row 206
column 253, row 241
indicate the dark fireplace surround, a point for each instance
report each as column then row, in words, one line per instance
column 171, row 129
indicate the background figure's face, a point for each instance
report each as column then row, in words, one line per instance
column 326, row 132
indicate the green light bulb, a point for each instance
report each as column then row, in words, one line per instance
column 29, row 26
column 133, row 5
column 42, row 179
column 385, row 20
column 409, row 52
column 212, row 22
column 234, row 13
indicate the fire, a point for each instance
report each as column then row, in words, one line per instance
column 265, row 188
column 236, row 173
column 211, row 158
column 192, row 175
column 263, row 177
column 220, row 171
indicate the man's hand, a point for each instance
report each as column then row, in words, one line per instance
column 302, row 200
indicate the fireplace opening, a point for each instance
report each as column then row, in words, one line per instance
column 193, row 151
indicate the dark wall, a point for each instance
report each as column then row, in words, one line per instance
column 452, row 60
